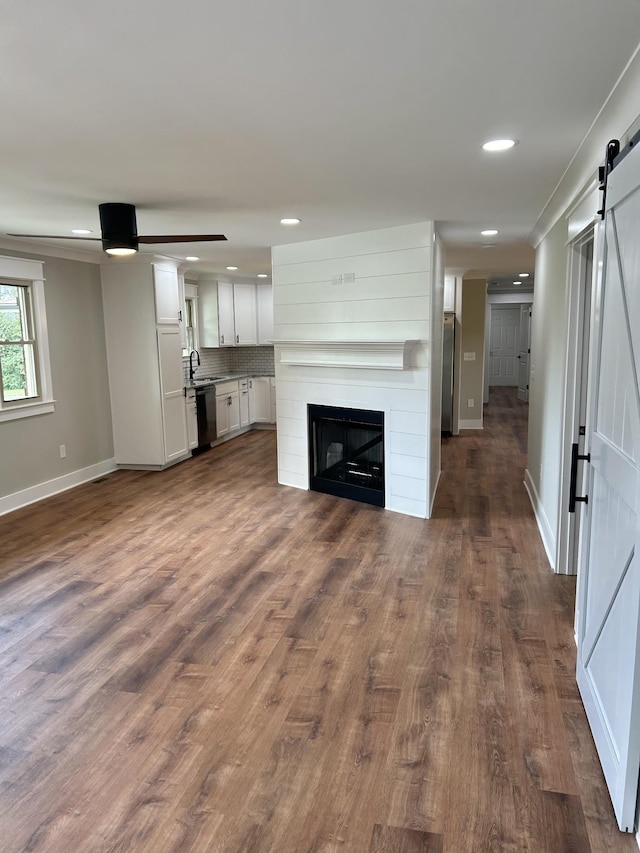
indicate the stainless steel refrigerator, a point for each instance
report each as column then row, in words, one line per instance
column 448, row 347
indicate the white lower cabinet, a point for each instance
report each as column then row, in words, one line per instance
column 192, row 418
column 261, row 399
column 227, row 408
column 243, row 391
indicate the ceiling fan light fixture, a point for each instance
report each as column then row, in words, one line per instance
column 119, row 228
column 119, row 251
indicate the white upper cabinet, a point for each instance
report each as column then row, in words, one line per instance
column 167, row 295
column 264, row 302
column 245, row 315
column 226, row 321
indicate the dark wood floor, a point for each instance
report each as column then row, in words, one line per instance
column 202, row 660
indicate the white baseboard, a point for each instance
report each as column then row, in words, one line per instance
column 477, row 424
column 9, row 503
column 546, row 533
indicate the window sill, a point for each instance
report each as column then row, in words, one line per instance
column 27, row 410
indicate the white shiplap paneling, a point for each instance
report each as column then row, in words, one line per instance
column 389, row 299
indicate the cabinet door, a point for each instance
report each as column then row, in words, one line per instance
column 244, row 406
column 234, row 411
column 264, row 294
column 226, row 325
column 182, row 312
column 222, row 416
column 192, row 419
column 244, row 301
column 167, row 295
column 262, row 400
column 171, row 387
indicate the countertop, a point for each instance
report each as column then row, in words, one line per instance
column 214, row 380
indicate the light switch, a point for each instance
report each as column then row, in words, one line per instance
column 469, row 356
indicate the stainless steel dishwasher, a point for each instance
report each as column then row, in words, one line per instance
column 206, row 411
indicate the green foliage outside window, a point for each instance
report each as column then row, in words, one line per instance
column 12, row 356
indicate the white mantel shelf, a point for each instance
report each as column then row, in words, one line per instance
column 373, row 355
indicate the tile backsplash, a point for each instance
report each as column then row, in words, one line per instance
column 215, row 362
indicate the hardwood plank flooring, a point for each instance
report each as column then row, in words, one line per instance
column 202, row 660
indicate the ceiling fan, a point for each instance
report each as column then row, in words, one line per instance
column 120, row 232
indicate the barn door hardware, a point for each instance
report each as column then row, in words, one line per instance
column 613, row 149
column 575, row 458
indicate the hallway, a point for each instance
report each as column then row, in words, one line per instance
column 202, row 660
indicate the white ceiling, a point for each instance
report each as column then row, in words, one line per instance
column 351, row 114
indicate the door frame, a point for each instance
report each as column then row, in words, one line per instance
column 500, row 300
column 583, row 225
column 569, row 524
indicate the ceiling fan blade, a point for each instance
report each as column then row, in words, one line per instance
column 181, row 238
column 54, row 237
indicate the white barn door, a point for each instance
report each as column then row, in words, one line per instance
column 609, row 584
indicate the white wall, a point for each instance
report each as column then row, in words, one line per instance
column 390, row 299
column 546, row 383
column 30, row 462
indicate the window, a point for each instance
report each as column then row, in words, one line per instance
column 190, row 341
column 18, row 379
column 25, row 376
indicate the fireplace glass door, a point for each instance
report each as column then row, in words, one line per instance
column 346, row 453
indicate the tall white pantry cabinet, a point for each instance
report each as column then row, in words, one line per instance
column 143, row 317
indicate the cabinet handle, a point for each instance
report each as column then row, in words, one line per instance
column 229, row 401
column 250, row 383
column 180, row 316
column 237, row 339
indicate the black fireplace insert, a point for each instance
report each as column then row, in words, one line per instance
column 346, row 453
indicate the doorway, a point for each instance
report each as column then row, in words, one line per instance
column 575, row 397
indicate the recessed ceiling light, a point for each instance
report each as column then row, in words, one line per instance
column 523, row 274
column 499, row 144
column 290, row 221
column 489, row 246
column 489, row 232
column 262, row 275
column 517, row 283
column 232, row 268
column 192, row 258
column 81, row 231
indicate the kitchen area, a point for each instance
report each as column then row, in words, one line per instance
column 190, row 359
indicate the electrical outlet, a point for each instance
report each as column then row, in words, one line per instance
column 63, row 451
column 349, row 277
column 471, row 403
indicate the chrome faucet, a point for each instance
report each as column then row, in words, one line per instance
column 191, row 367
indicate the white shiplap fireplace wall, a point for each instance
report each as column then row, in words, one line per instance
column 334, row 300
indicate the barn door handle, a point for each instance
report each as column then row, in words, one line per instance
column 575, row 458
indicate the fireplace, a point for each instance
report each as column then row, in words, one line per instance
column 346, row 453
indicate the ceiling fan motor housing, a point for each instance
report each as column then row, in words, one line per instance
column 118, row 226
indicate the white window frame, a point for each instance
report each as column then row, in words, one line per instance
column 24, row 271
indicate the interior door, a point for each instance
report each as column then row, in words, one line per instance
column 609, row 585
column 524, row 354
column 504, row 345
